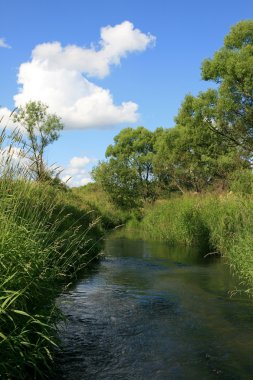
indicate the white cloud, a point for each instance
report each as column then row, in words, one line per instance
column 77, row 172
column 56, row 76
column 3, row 44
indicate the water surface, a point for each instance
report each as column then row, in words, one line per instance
column 149, row 311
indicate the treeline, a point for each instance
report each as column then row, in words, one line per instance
column 209, row 148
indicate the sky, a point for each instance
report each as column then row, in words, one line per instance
column 103, row 65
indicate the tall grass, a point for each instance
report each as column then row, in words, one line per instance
column 44, row 241
column 92, row 195
column 216, row 223
column 177, row 221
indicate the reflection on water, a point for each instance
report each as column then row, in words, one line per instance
column 149, row 311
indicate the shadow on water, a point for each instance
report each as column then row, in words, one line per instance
column 150, row 311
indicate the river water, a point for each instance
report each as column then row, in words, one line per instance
column 149, row 311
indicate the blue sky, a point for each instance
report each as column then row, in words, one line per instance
column 154, row 76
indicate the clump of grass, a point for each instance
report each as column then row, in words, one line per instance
column 44, row 241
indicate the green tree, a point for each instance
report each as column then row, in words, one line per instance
column 40, row 130
column 167, row 167
column 120, row 183
column 229, row 108
column 127, row 175
column 214, row 131
column 192, row 156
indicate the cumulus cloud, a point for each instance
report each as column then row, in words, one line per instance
column 60, row 76
column 3, row 44
column 77, row 172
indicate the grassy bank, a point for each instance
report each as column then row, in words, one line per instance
column 45, row 239
column 222, row 224
column 93, row 196
column 48, row 234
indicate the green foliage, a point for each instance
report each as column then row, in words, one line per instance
column 213, row 133
column 41, row 129
column 211, row 140
column 44, row 241
column 178, row 221
column 127, row 176
column 98, row 201
column 241, row 182
column 221, row 224
column 192, row 156
column 230, row 111
column 120, row 182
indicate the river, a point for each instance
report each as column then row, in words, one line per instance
column 149, row 311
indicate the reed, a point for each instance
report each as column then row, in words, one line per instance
column 44, row 241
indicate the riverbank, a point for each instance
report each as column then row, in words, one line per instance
column 47, row 236
column 218, row 224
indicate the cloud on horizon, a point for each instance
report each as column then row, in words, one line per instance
column 60, row 77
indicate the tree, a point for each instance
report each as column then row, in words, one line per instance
column 40, row 130
column 214, row 131
column 229, row 109
column 192, row 156
column 213, row 136
column 120, row 183
column 127, row 176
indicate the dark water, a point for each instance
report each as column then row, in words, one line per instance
column 148, row 311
